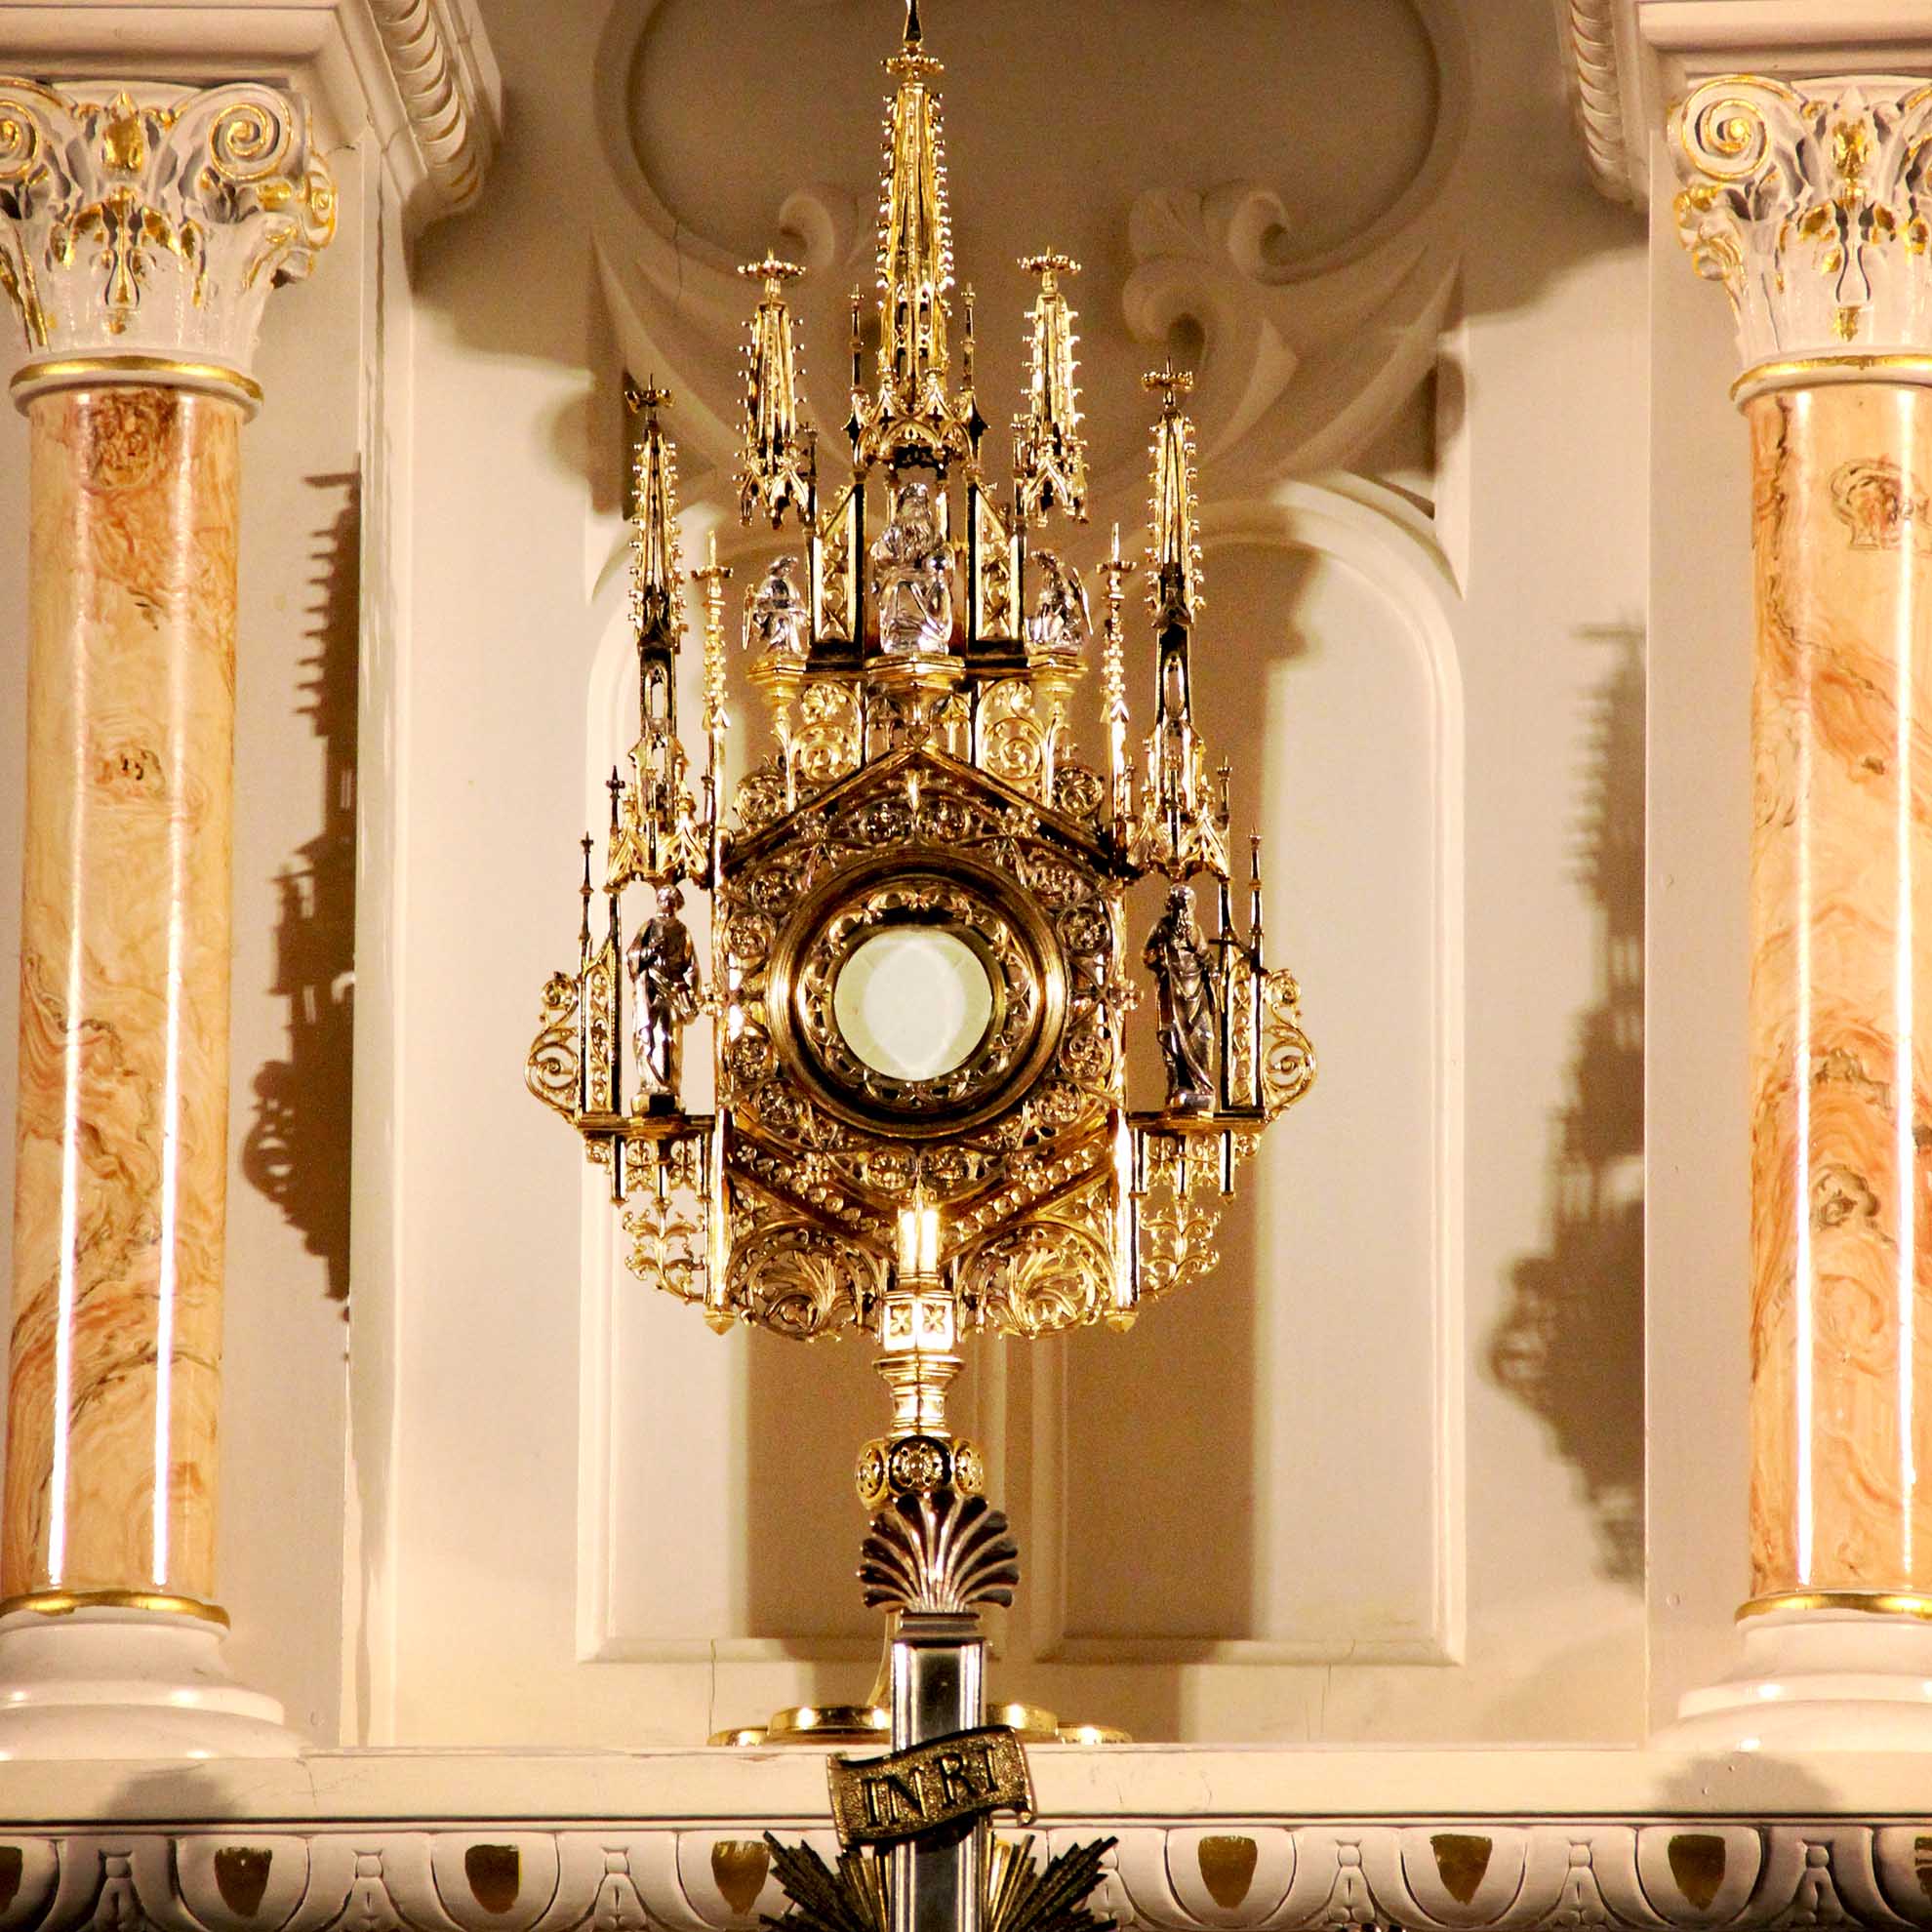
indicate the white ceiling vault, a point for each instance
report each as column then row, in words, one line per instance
column 1256, row 230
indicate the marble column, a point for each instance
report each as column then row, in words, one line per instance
column 1812, row 203
column 139, row 233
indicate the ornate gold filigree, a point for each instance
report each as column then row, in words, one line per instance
column 657, row 562
column 1179, row 1212
column 600, row 1029
column 995, row 602
column 667, row 1217
column 760, row 798
column 1288, row 1057
column 835, row 583
column 829, row 740
column 1025, row 975
column 1013, row 738
column 925, row 775
column 800, row 1282
column 552, row 1073
column 911, row 413
column 1050, row 1271
column 1174, row 549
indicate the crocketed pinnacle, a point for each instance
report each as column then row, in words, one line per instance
column 913, row 414
column 1174, row 556
column 657, row 593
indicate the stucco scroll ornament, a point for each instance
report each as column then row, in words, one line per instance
column 1220, row 265
column 155, row 227
column 1813, row 206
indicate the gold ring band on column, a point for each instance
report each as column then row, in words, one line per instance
column 1875, row 1602
column 1815, row 371
column 76, row 371
column 64, row 1602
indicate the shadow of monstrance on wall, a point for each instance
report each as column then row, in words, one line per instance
column 296, row 1153
column 1571, row 1343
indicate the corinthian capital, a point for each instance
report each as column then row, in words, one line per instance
column 140, row 231
column 1813, row 205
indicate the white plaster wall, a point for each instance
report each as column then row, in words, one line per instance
column 1698, row 1375
column 285, row 1324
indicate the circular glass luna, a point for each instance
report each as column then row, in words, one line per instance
column 913, row 1002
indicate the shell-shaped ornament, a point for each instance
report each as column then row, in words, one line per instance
column 942, row 1553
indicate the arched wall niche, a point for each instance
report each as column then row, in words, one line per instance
column 1195, row 1521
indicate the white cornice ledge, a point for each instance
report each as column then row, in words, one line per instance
column 418, row 74
column 1631, row 60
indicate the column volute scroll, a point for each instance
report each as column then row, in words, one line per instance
column 1811, row 202
column 142, row 229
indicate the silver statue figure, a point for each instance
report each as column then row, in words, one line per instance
column 664, row 978
column 913, row 576
column 775, row 620
column 1184, row 979
column 1061, row 621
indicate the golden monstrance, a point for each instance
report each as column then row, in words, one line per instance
column 919, row 980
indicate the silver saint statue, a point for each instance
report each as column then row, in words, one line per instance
column 913, row 576
column 664, row 980
column 775, row 620
column 1184, row 979
column 1061, row 621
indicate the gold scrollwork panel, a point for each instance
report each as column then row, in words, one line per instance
column 552, row 1073
column 799, row 1281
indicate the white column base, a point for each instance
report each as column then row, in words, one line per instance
column 1816, row 1681
column 101, row 1682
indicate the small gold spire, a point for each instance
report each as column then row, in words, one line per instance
column 1049, row 453
column 1114, row 690
column 657, row 595
column 775, row 465
column 913, row 414
column 712, row 577
column 1174, row 554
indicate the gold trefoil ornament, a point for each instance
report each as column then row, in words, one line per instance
column 919, row 977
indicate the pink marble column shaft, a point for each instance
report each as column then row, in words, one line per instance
column 1841, row 992
column 120, row 1195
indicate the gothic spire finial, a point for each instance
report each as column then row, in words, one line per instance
column 1050, row 455
column 1174, row 554
column 914, row 415
column 775, row 463
column 656, row 598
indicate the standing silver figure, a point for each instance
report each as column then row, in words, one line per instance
column 913, row 576
column 664, row 977
column 777, row 617
column 1184, row 979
